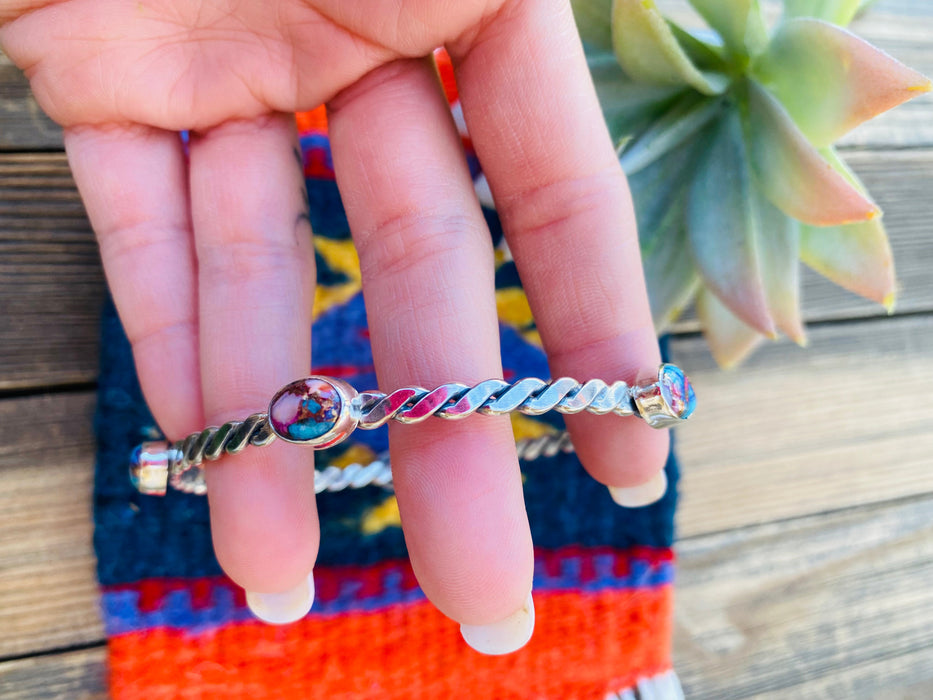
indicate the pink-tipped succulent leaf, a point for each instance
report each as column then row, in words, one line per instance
column 727, row 143
column 830, row 81
column 792, row 173
column 729, row 340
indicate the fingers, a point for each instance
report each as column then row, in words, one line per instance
column 134, row 185
column 568, row 219
column 256, row 280
column 427, row 266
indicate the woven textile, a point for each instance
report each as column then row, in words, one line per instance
column 178, row 628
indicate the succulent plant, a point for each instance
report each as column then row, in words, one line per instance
column 726, row 136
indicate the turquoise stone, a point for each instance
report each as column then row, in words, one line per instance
column 305, row 411
column 677, row 391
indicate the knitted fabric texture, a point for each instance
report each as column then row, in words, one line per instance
column 178, row 628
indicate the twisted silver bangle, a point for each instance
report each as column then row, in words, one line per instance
column 322, row 411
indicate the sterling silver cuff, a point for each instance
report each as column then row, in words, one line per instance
column 321, row 412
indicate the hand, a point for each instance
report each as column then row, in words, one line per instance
column 212, row 270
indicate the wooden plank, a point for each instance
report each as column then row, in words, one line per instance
column 51, row 285
column 47, row 580
column 845, row 423
column 900, row 27
column 23, row 125
column 76, row 675
column 830, row 606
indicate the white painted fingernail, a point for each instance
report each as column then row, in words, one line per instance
column 643, row 495
column 285, row 607
column 505, row 636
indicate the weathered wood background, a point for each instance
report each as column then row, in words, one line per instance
column 806, row 552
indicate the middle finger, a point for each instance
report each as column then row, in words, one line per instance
column 428, row 281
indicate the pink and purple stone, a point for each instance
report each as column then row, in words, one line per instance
column 305, row 410
column 677, row 391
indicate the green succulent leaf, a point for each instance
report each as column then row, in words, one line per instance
column 704, row 56
column 730, row 340
column 792, row 173
column 738, row 22
column 592, row 18
column 682, row 121
column 779, row 257
column 858, row 256
column 838, row 12
column 724, row 226
column 674, row 279
column 830, row 81
column 628, row 108
column 649, row 52
column 660, row 194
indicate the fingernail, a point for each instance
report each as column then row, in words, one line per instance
column 505, row 636
column 285, row 607
column 642, row 495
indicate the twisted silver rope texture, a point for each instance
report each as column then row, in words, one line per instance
column 493, row 397
column 190, row 478
column 450, row 401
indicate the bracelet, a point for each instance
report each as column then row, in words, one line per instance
column 322, row 411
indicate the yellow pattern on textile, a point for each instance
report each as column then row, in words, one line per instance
column 513, row 309
column 527, row 428
column 355, row 454
column 341, row 256
column 380, row 517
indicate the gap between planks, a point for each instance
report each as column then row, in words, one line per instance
column 846, row 422
column 832, row 606
column 75, row 675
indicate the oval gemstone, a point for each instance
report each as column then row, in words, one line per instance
column 305, row 411
column 677, row 391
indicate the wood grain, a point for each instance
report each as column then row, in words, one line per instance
column 833, row 606
column 23, row 124
column 51, row 285
column 47, row 583
column 75, row 675
column 847, row 422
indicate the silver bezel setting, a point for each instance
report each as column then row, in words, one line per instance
column 344, row 425
column 652, row 406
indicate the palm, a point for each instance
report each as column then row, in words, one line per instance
column 176, row 64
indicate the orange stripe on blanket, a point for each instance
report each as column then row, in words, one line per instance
column 313, row 121
column 584, row 646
